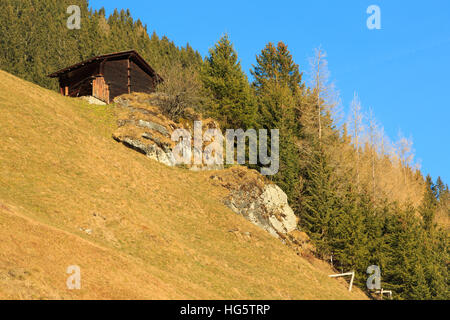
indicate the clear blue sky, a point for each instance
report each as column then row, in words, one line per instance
column 401, row 72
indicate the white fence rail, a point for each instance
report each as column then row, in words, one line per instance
column 383, row 292
column 352, row 274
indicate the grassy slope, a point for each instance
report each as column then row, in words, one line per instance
column 157, row 232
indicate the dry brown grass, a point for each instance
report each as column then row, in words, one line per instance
column 157, row 232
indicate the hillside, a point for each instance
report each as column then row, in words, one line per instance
column 71, row 195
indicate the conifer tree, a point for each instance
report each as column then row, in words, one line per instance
column 350, row 241
column 320, row 207
column 277, row 64
column 439, row 188
column 278, row 86
column 232, row 100
column 429, row 204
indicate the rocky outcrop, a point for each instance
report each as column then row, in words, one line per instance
column 268, row 209
column 282, row 217
column 153, row 126
column 143, row 127
column 265, row 205
column 151, row 150
column 260, row 202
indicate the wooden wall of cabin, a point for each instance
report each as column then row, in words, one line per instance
column 140, row 80
column 116, row 76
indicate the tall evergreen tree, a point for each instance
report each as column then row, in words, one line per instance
column 429, row 204
column 233, row 103
column 277, row 64
column 320, row 206
column 278, row 86
column 439, row 188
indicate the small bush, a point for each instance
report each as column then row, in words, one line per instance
column 182, row 90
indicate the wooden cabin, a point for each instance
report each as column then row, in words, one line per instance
column 108, row 76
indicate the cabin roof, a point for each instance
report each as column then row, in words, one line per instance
column 116, row 55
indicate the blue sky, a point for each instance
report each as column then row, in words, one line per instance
column 400, row 71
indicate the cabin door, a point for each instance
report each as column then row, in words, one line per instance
column 100, row 89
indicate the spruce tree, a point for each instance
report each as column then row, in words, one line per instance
column 278, row 86
column 429, row 204
column 233, row 103
column 320, row 207
column 277, row 64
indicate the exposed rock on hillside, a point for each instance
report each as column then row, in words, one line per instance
column 143, row 127
column 262, row 203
